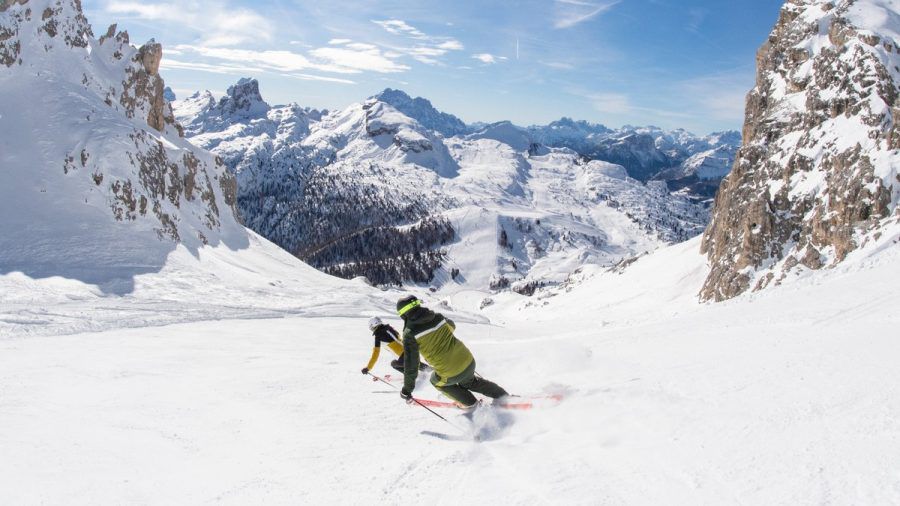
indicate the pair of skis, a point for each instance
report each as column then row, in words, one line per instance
column 512, row 402
column 464, row 434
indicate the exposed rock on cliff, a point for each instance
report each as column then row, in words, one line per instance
column 817, row 174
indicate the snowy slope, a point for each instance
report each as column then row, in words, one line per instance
column 97, row 183
column 107, row 211
column 229, row 372
column 759, row 400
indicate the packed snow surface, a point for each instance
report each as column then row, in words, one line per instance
column 255, row 396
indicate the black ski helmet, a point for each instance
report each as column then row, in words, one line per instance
column 407, row 304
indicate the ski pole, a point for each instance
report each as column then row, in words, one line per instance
column 412, row 398
column 431, row 411
column 382, row 380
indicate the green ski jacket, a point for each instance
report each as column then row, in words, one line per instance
column 431, row 334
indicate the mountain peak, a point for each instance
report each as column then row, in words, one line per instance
column 391, row 95
column 578, row 126
column 243, row 100
column 421, row 110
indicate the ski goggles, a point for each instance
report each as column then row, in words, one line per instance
column 407, row 308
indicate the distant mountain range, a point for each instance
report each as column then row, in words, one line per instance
column 103, row 179
column 397, row 191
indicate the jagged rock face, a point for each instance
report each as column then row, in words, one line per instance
column 60, row 20
column 145, row 89
column 243, row 101
column 422, row 111
column 201, row 113
column 817, row 174
column 107, row 144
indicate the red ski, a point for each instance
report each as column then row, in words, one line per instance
column 513, row 403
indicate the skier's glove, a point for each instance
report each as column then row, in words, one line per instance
column 406, row 395
column 365, row 370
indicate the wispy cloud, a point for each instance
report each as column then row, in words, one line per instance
column 696, row 17
column 400, row 27
column 426, row 48
column 557, row 65
column 488, row 59
column 356, row 58
column 570, row 13
column 169, row 63
column 340, row 60
column 311, row 77
column 242, row 70
column 217, row 23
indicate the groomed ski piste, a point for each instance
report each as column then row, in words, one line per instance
column 233, row 377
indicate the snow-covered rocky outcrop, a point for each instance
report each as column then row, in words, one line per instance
column 96, row 178
column 421, row 110
column 370, row 190
column 817, row 177
column 352, row 192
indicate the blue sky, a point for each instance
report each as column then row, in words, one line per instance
column 671, row 63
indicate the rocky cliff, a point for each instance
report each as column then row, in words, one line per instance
column 90, row 149
column 816, row 177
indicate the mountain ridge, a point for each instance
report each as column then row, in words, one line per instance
column 365, row 157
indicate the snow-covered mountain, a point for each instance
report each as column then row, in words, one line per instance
column 371, row 191
column 422, row 111
column 91, row 154
column 817, row 177
column 228, row 370
column 647, row 152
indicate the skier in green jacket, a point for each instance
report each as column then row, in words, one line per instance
column 431, row 334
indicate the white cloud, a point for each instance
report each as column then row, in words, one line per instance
column 217, row 23
column 310, row 77
column 370, row 59
column 339, row 42
column 339, row 60
column 168, row 63
column 558, row 65
column 360, row 46
column 451, row 45
column 488, row 58
column 241, row 70
column 399, row 27
column 427, row 49
column 574, row 12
